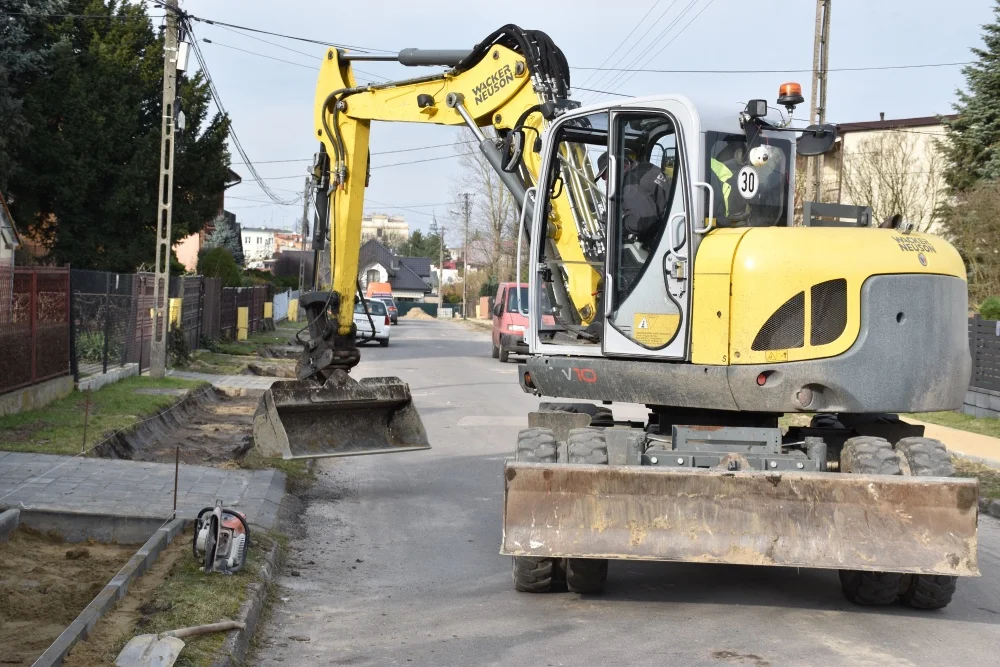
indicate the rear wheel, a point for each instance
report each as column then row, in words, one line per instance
column 536, row 574
column 870, row 456
column 496, row 352
column 504, row 355
column 587, row 575
column 926, row 457
column 384, row 342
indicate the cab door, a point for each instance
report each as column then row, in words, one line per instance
column 648, row 285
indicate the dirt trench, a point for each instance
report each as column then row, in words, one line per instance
column 210, row 427
column 44, row 585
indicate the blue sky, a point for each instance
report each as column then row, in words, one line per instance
column 271, row 102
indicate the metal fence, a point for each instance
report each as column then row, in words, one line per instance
column 190, row 290
column 34, row 325
column 984, row 344
column 280, row 302
column 111, row 322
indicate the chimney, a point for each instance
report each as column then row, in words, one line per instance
column 881, row 115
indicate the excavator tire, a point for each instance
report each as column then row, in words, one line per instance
column 927, row 458
column 587, row 445
column 536, row 574
column 587, row 575
column 867, row 455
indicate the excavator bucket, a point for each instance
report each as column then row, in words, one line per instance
column 301, row 419
column 924, row 525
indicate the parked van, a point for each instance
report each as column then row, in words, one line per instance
column 509, row 324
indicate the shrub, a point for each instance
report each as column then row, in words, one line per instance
column 219, row 263
column 990, row 309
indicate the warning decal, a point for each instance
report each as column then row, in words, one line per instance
column 654, row 329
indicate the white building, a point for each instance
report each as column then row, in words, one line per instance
column 9, row 239
column 385, row 228
column 259, row 244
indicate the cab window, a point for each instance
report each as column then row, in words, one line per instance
column 750, row 180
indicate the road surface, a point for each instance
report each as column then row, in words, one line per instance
column 399, row 566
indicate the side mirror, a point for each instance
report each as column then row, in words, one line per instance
column 816, row 140
column 498, row 310
column 511, row 150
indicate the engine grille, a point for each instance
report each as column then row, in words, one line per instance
column 829, row 311
column 785, row 328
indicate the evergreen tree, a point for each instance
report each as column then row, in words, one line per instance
column 972, row 143
column 23, row 48
column 88, row 180
column 225, row 235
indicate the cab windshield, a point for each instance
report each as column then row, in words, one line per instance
column 751, row 181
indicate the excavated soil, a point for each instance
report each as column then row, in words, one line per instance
column 417, row 314
column 44, row 585
column 130, row 614
column 209, row 426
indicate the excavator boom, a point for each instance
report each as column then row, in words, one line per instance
column 514, row 78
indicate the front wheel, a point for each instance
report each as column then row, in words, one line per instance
column 533, row 574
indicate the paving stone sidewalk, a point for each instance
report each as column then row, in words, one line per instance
column 134, row 488
column 228, row 381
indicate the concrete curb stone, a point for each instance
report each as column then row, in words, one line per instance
column 237, row 645
column 8, row 523
column 112, row 593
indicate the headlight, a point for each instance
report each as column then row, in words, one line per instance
column 516, row 327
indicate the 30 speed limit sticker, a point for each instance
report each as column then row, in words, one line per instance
column 747, row 182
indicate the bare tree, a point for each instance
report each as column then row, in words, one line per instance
column 972, row 225
column 494, row 215
column 886, row 172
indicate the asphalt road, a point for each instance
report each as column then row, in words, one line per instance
column 398, row 563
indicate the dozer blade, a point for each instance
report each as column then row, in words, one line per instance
column 304, row 420
column 923, row 525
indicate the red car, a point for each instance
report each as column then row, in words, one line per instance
column 509, row 324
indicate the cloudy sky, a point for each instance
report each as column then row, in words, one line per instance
column 270, row 101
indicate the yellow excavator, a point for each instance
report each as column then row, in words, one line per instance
column 665, row 268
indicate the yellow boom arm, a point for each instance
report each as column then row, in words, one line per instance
column 499, row 90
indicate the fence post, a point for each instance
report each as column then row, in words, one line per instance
column 74, row 366
column 33, row 318
column 107, row 320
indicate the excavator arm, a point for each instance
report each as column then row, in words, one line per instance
column 514, row 78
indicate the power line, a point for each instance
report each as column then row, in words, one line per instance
column 772, row 71
column 259, row 55
column 622, row 43
column 403, row 208
column 289, row 62
column 396, row 150
column 625, row 55
column 604, row 92
column 430, row 159
column 232, row 130
column 651, row 58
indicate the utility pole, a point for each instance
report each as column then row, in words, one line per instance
column 465, row 263
column 305, row 234
column 817, row 103
column 440, row 267
column 161, row 283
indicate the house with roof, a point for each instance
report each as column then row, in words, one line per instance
column 899, row 161
column 9, row 239
column 410, row 277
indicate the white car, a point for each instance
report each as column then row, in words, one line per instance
column 379, row 316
